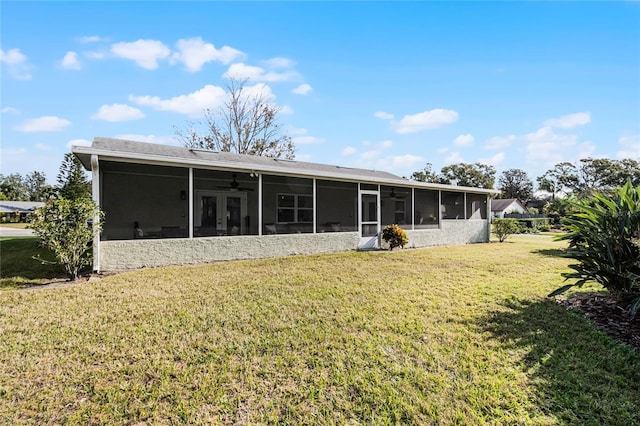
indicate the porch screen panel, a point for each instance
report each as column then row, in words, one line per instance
column 426, row 210
column 476, row 206
column 337, row 206
column 396, row 206
column 144, row 201
column 287, row 205
column 225, row 203
column 452, row 205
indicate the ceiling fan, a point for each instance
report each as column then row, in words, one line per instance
column 234, row 186
column 392, row 195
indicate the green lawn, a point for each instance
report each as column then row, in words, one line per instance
column 448, row 335
column 18, row 268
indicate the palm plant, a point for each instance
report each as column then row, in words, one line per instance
column 604, row 236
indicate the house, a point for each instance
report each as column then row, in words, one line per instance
column 506, row 206
column 10, row 209
column 172, row 205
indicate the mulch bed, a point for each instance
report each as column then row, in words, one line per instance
column 608, row 315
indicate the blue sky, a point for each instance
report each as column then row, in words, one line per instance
column 379, row 85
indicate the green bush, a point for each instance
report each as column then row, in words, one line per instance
column 65, row 227
column 395, row 236
column 502, row 228
column 603, row 236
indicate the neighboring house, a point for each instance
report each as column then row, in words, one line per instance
column 11, row 209
column 509, row 205
column 172, row 205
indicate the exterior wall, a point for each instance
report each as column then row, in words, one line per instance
column 132, row 254
column 452, row 232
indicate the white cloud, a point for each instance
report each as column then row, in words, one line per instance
column 43, row 124
column 91, row 39
column 194, row 53
column 279, row 63
column 630, row 147
column 406, row 161
column 303, row 89
column 425, row 120
column 569, row 121
column 500, row 142
column 145, row 53
column 254, row 73
column 94, row 55
column 117, row 112
column 451, row 157
column 349, row 151
column 78, row 142
column 286, row 110
column 192, row 104
column 494, row 160
column 70, row 61
column 17, row 64
column 10, row 110
column 546, row 147
column 464, row 140
column 297, row 131
column 42, row 147
column 307, row 140
column 383, row 115
column 385, row 144
column 369, row 155
column 164, row 140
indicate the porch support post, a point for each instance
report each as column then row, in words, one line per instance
column 489, row 217
column 260, row 204
column 190, row 202
column 359, row 207
column 379, row 218
column 413, row 209
column 465, row 205
column 95, row 194
column 315, row 212
column 439, row 209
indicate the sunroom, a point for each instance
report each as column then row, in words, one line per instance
column 172, row 205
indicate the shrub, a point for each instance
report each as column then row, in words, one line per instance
column 65, row 227
column 603, row 236
column 394, row 236
column 502, row 228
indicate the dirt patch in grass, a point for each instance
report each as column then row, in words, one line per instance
column 608, row 315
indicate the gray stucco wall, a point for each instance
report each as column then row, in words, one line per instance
column 132, row 254
column 451, row 232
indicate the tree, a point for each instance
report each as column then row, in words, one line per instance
column 563, row 178
column 476, row 175
column 14, row 187
column 245, row 124
column 504, row 227
column 515, row 183
column 37, row 188
column 72, row 179
column 425, row 175
column 66, row 227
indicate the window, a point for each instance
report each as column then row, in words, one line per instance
column 295, row 208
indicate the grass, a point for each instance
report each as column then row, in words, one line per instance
column 15, row 225
column 448, row 335
column 18, row 266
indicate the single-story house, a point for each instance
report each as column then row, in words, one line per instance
column 173, row 205
column 506, row 206
column 10, row 209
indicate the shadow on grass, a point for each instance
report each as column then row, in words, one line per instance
column 19, row 266
column 551, row 252
column 580, row 375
